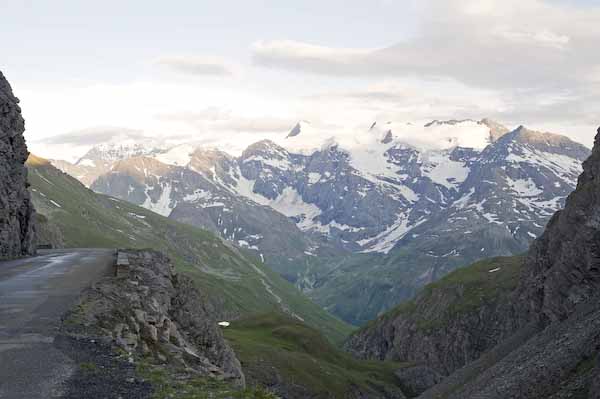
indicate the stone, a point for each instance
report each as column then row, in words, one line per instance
column 416, row 380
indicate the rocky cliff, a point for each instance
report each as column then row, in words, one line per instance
column 16, row 211
column 149, row 312
column 563, row 266
column 545, row 331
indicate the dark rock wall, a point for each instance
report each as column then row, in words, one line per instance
column 563, row 265
column 16, row 210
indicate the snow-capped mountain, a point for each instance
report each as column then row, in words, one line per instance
column 410, row 201
column 99, row 159
column 188, row 195
column 512, row 188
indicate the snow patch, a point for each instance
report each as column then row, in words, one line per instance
column 163, row 205
column 442, row 170
column 386, row 240
column 179, row 155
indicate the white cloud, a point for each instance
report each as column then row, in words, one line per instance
column 94, row 135
column 493, row 44
column 298, row 55
column 197, row 65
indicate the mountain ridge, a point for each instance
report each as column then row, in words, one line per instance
column 390, row 200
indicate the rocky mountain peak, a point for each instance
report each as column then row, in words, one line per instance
column 295, row 130
column 388, row 138
column 209, row 160
column 264, row 148
column 497, row 129
column 111, row 152
column 140, row 167
column 551, row 143
column 300, row 127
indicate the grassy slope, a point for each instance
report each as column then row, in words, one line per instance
column 474, row 284
column 235, row 282
column 299, row 355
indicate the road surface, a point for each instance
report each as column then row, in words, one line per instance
column 34, row 294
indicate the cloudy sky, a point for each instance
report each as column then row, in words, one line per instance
column 231, row 72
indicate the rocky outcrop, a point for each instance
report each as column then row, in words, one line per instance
column 416, row 380
column 555, row 362
column 16, row 210
column 148, row 311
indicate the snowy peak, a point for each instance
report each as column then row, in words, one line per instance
column 435, row 135
column 140, row 167
column 382, row 133
column 300, row 127
column 451, row 122
column 179, row 155
column 207, row 159
column 111, row 152
column 264, row 149
column 295, row 131
column 548, row 142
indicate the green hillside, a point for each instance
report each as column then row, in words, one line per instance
column 295, row 361
column 237, row 284
column 463, row 291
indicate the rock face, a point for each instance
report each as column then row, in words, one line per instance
column 16, row 211
column 564, row 263
column 148, row 310
column 546, row 330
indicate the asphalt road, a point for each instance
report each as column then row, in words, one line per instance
column 34, row 294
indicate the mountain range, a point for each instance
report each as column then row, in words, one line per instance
column 359, row 222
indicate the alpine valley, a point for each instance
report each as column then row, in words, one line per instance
column 361, row 222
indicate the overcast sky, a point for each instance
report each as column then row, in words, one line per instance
column 233, row 72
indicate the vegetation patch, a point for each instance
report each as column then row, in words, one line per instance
column 171, row 384
column 283, row 353
column 464, row 290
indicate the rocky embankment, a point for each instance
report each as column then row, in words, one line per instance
column 16, row 210
column 545, row 332
column 154, row 315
